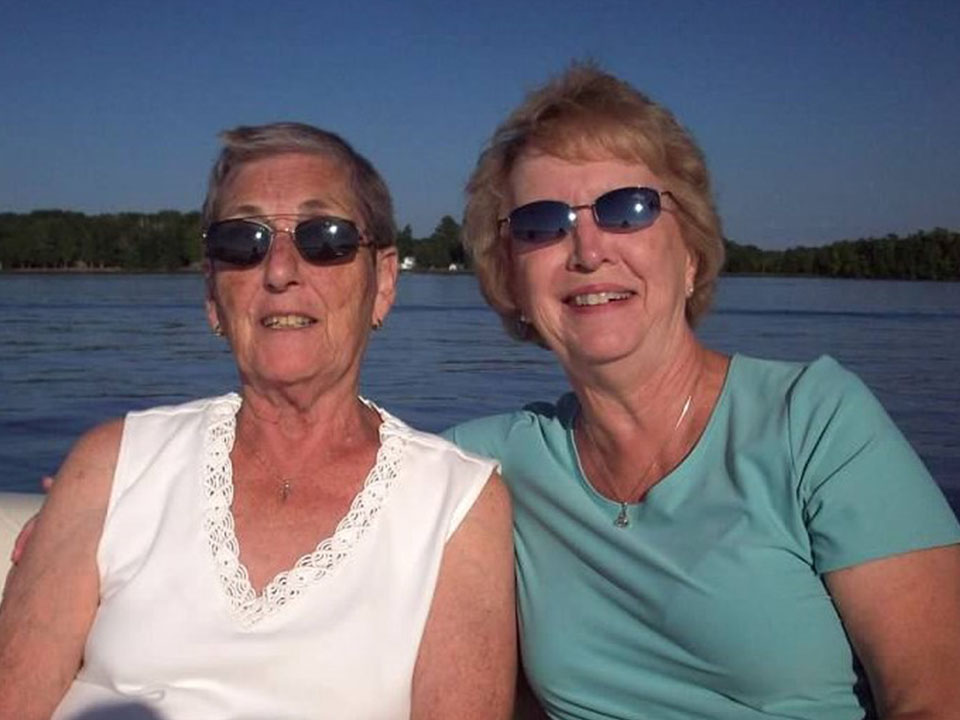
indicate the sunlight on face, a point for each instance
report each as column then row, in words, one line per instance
column 290, row 321
column 597, row 295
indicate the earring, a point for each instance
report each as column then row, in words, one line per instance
column 377, row 324
column 689, row 291
column 217, row 330
column 522, row 325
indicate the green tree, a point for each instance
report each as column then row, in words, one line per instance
column 442, row 248
column 405, row 241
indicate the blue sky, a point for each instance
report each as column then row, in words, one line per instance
column 820, row 120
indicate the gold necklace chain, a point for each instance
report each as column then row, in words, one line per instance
column 623, row 519
column 285, row 482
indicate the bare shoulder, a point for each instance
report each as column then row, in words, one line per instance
column 96, row 449
column 483, row 542
column 466, row 667
column 87, row 471
column 71, row 519
column 493, row 507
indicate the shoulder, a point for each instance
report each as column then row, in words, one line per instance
column 437, row 446
column 87, row 473
column 802, row 386
column 85, row 478
column 432, row 453
column 227, row 404
column 823, row 376
column 95, row 450
column 99, row 447
column 151, row 424
column 826, row 378
column 500, row 435
column 493, row 504
column 820, row 404
column 824, row 397
column 440, row 482
column 861, row 490
column 763, row 377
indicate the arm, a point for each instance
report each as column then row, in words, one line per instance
column 903, row 616
column 50, row 601
column 883, row 538
column 467, row 663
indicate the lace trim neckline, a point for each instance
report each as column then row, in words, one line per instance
column 246, row 606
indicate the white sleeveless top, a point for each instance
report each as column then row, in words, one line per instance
column 180, row 632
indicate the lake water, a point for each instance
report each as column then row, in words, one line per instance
column 77, row 349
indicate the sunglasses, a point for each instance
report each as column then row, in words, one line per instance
column 321, row 240
column 623, row 210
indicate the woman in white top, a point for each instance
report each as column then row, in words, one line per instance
column 290, row 551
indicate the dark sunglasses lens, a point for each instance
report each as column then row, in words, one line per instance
column 540, row 222
column 237, row 242
column 627, row 209
column 327, row 239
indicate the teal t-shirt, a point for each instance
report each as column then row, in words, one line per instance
column 710, row 603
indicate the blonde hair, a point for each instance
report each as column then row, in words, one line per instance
column 586, row 114
column 246, row 144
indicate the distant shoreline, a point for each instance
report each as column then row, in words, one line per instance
column 422, row 271
column 178, row 271
column 96, row 271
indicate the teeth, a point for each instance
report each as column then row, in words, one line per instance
column 600, row 298
column 286, row 321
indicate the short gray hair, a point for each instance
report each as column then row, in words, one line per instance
column 248, row 143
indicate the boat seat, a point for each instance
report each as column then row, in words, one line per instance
column 15, row 510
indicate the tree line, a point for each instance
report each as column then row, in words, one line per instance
column 924, row 255
column 166, row 240
column 59, row 239
column 171, row 240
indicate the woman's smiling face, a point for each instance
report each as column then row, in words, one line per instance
column 290, row 321
column 597, row 296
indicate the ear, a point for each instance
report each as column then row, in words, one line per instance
column 386, row 270
column 209, row 295
column 690, row 269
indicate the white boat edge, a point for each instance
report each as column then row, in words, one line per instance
column 15, row 509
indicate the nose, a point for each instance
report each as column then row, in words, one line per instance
column 590, row 247
column 281, row 266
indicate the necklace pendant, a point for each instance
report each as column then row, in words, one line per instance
column 285, row 490
column 623, row 520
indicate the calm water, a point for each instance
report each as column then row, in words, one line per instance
column 77, row 349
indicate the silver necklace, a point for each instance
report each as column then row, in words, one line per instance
column 623, row 519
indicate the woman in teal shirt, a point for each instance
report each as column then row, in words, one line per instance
column 697, row 536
